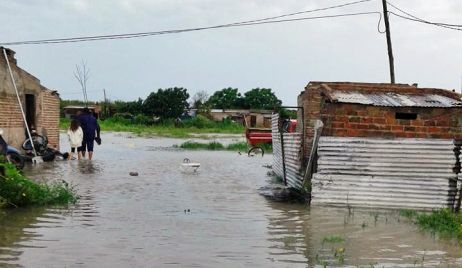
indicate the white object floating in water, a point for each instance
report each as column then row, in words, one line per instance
column 188, row 164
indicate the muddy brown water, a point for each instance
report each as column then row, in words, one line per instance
column 169, row 217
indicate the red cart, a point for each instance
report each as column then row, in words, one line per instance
column 257, row 137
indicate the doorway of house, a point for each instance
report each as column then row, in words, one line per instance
column 30, row 110
column 253, row 120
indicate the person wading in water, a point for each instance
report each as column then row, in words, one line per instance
column 91, row 132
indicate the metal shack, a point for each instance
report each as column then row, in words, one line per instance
column 41, row 105
column 381, row 145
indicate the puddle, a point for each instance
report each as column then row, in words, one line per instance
column 213, row 217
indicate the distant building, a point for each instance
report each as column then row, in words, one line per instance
column 254, row 118
column 71, row 110
column 41, row 105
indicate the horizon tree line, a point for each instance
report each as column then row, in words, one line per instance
column 173, row 102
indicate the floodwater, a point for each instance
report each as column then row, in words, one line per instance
column 170, row 217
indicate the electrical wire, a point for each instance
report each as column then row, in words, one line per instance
column 136, row 35
column 268, row 20
column 411, row 17
column 417, row 18
column 301, row 12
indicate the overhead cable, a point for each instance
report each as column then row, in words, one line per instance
column 268, row 20
column 411, row 17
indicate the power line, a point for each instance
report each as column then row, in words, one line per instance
column 411, row 17
column 268, row 20
column 301, row 12
column 137, row 35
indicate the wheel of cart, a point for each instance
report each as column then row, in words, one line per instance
column 256, row 150
column 256, row 138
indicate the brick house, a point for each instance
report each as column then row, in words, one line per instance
column 70, row 111
column 379, row 145
column 381, row 110
column 254, row 118
column 41, row 105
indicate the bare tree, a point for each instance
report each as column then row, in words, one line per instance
column 82, row 74
column 199, row 99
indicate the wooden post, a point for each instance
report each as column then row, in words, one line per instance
column 281, row 133
column 318, row 125
column 390, row 50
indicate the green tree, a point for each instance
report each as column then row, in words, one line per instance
column 261, row 98
column 167, row 103
column 225, row 99
column 132, row 107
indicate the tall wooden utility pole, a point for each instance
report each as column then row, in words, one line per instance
column 106, row 112
column 390, row 50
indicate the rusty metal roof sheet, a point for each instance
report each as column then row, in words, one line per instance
column 395, row 99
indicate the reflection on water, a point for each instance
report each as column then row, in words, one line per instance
column 213, row 217
column 14, row 233
column 86, row 166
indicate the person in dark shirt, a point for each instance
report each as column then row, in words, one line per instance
column 91, row 132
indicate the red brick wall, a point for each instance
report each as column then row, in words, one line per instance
column 50, row 118
column 10, row 113
column 356, row 120
column 311, row 104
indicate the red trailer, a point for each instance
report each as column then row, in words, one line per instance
column 256, row 137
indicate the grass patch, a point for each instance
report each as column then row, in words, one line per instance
column 333, row 239
column 237, row 146
column 190, row 145
column 443, row 222
column 167, row 128
column 408, row 213
column 17, row 191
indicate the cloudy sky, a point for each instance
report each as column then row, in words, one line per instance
column 284, row 56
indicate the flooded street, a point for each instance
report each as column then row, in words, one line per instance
column 171, row 217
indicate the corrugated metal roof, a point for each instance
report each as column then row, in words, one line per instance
column 395, row 99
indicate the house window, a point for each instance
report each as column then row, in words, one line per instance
column 406, row 116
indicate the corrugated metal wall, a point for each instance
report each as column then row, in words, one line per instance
column 292, row 154
column 399, row 173
column 277, row 148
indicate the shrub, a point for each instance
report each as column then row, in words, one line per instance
column 17, row 190
column 142, row 119
column 199, row 121
column 443, row 222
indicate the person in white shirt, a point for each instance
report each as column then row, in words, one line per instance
column 75, row 135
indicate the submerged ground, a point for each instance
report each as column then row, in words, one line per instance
column 170, row 217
